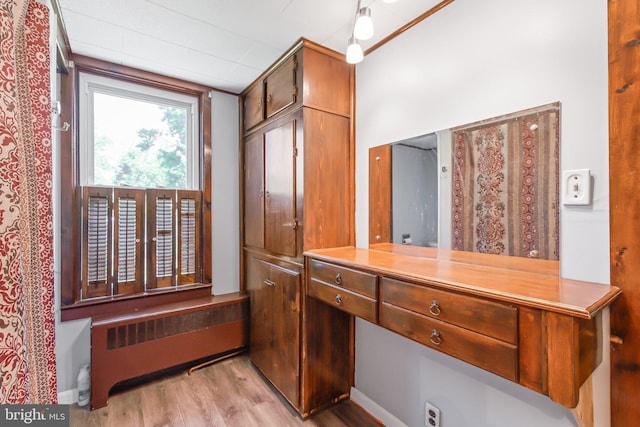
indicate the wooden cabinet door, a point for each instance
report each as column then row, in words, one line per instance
column 254, row 106
column 328, row 186
column 280, row 189
column 281, row 87
column 254, row 191
column 260, row 323
column 285, row 346
column 275, row 324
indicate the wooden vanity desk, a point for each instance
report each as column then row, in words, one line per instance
column 511, row 316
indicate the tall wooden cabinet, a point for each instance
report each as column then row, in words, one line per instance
column 298, row 194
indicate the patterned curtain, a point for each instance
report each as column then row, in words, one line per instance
column 505, row 185
column 27, row 347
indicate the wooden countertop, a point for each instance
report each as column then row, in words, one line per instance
column 481, row 275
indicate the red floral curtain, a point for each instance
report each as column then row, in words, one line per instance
column 505, row 185
column 27, row 346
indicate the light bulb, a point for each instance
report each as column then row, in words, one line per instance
column 354, row 51
column 363, row 29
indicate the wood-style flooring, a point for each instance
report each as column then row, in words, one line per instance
column 230, row 393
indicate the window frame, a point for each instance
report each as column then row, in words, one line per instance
column 70, row 191
column 90, row 83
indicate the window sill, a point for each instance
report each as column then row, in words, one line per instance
column 105, row 306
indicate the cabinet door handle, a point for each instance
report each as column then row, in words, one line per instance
column 338, row 279
column 269, row 282
column 269, row 98
column 434, row 308
column 338, row 299
column 435, row 337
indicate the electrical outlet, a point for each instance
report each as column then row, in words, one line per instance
column 432, row 416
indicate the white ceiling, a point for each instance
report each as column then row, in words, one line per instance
column 225, row 44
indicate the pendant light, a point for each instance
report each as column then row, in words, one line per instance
column 354, row 51
column 363, row 28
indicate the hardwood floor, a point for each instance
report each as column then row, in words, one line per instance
column 230, row 393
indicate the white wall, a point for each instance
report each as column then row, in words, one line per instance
column 225, row 211
column 73, row 337
column 471, row 61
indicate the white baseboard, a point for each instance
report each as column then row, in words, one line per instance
column 374, row 409
column 68, row 397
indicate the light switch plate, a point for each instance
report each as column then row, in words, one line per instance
column 576, row 187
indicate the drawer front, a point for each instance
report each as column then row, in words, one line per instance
column 345, row 300
column 484, row 352
column 353, row 280
column 476, row 314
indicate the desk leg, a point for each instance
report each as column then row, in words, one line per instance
column 583, row 413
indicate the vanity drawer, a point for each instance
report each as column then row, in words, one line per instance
column 344, row 299
column 345, row 278
column 485, row 352
column 486, row 317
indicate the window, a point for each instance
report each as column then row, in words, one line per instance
column 136, row 191
column 135, row 135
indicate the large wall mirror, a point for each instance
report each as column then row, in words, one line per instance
column 488, row 187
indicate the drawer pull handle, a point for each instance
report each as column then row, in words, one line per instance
column 434, row 308
column 338, row 279
column 269, row 282
column 338, row 299
column 435, row 337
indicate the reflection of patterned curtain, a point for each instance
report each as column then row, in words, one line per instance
column 27, row 353
column 505, row 186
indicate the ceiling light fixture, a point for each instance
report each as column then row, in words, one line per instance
column 354, row 51
column 363, row 28
column 390, row 1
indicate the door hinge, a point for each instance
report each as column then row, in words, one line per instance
column 295, row 224
column 295, row 152
column 295, row 90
